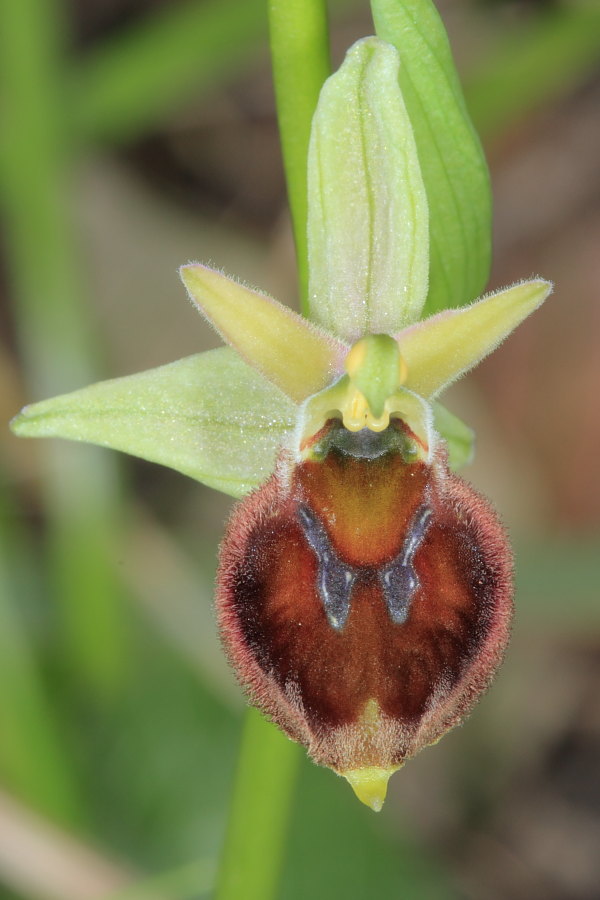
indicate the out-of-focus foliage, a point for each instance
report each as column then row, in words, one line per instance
column 119, row 722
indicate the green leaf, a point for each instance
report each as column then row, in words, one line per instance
column 209, row 416
column 452, row 161
column 367, row 209
column 446, row 346
column 459, row 438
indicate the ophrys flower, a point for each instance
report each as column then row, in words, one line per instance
column 364, row 591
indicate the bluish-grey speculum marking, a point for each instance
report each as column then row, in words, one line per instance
column 399, row 580
column 335, row 578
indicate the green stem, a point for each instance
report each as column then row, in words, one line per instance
column 262, row 798
column 300, row 55
column 264, row 785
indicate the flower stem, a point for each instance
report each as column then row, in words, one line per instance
column 300, row 55
column 263, row 791
column 262, row 796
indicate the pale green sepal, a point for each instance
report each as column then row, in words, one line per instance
column 452, row 162
column 209, row 416
column 459, row 438
column 440, row 349
column 293, row 354
column 367, row 209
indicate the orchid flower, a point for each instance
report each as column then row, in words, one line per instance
column 364, row 591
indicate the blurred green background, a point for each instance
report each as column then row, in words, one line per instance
column 139, row 134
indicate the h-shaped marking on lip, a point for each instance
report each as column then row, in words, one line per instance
column 335, row 579
column 399, row 579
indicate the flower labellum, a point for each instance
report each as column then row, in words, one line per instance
column 364, row 597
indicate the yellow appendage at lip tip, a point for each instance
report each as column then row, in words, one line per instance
column 370, row 784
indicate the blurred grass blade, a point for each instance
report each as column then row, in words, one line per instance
column 452, row 161
column 193, row 881
column 42, row 862
column 33, row 761
column 54, row 333
column 210, row 416
column 173, row 588
column 543, row 60
column 127, row 85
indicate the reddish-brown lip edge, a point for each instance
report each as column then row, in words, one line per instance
column 372, row 692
